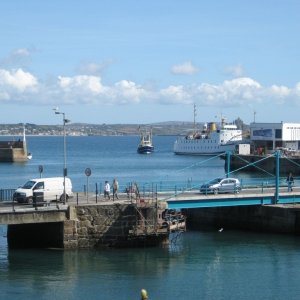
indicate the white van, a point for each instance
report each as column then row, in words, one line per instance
column 50, row 188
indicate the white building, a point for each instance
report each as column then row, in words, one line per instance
column 271, row 136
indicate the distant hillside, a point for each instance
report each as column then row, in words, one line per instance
column 161, row 128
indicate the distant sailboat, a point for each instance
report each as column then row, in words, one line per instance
column 29, row 155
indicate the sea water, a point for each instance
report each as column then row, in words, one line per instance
column 108, row 157
column 203, row 264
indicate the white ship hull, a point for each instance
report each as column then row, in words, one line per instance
column 210, row 142
column 200, row 147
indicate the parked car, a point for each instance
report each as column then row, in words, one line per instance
column 221, row 185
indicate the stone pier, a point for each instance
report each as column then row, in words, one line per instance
column 87, row 226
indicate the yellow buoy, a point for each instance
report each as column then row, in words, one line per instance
column 144, row 294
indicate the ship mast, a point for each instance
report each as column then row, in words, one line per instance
column 24, row 142
column 24, row 137
column 195, row 114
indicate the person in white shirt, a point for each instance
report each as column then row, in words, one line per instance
column 107, row 190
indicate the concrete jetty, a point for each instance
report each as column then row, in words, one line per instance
column 13, row 151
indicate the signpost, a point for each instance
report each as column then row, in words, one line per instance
column 88, row 173
column 41, row 170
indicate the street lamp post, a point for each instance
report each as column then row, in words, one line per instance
column 65, row 172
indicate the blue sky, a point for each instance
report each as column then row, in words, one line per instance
column 141, row 62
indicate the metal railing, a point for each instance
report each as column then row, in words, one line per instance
column 6, row 195
column 152, row 190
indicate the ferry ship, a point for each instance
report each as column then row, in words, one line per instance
column 213, row 139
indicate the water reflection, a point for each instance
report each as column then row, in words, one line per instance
column 206, row 265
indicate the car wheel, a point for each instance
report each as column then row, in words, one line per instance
column 30, row 200
column 216, row 191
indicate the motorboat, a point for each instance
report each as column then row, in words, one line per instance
column 145, row 146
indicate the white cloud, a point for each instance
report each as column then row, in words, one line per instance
column 16, row 58
column 186, row 68
column 175, row 94
column 279, row 93
column 93, row 68
column 17, row 80
column 235, row 71
column 22, row 52
column 229, row 93
column 128, row 91
column 19, row 86
column 89, row 89
column 89, row 84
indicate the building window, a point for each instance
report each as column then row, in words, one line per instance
column 278, row 133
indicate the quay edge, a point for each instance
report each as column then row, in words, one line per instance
column 256, row 163
column 90, row 226
column 282, row 219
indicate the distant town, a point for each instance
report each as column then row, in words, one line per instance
column 83, row 129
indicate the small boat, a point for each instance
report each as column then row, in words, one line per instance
column 29, row 156
column 145, row 146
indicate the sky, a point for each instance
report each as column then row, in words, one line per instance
column 142, row 62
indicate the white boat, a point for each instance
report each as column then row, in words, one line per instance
column 145, row 146
column 213, row 139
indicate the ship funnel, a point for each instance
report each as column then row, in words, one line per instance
column 212, row 126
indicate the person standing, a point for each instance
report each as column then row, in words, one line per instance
column 115, row 187
column 107, row 190
column 290, row 182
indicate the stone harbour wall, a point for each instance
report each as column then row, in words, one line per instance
column 86, row 226
column 269, row 218
column 93, row 226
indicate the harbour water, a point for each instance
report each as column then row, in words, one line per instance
column 203, row 264
column 108, row 157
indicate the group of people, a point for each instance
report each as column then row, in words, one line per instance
column 115, row 188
